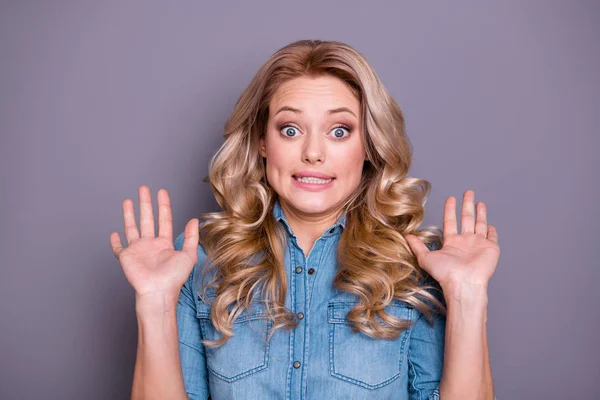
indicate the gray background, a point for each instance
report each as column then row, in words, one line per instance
column 98, row 98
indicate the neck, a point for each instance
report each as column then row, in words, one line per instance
column 308, row 227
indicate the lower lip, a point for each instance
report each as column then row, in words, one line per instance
column 313, row 187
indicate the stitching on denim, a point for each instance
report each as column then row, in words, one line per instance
column 405, row 336
column 190, row 346
column 343, row 377
column 243, row 317
column 238, row 376
column 202, row 328
column 436, row 394
column 265, row 363
column 412, row 383
column 292, row 293
column 310, row 291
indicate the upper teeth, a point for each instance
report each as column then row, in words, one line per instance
column 310, row 179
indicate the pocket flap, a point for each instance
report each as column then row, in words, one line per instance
column 337, row 310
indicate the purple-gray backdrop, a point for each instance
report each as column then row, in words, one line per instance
column 99, row 97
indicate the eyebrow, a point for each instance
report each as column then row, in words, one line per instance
column 298, row 111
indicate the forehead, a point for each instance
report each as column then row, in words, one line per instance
column 311, row 92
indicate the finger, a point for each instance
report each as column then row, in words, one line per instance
column 165, row 217
column 417, row 246
column 449, row 223
column 492, row 233
column 146, row 216
column 467, row 219
column 190, row 239
column 481, row 221
column 115, row 243
column 131, row 230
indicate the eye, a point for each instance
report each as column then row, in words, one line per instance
column 340, row 130
column 290, row 131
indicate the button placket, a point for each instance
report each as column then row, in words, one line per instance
column 299, row 293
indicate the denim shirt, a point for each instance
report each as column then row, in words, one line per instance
column 321, row 357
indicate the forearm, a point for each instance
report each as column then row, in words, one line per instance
column 466, row 372
column 136, row 390
column 157, row 372
column 488, row 388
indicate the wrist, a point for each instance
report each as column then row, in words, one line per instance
column 155, row 303
column 466, row 295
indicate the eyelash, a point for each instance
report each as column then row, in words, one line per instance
column 348, row 128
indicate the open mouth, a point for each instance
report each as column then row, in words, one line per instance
column 313, row 180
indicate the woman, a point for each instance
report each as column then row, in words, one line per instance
column 316, row 279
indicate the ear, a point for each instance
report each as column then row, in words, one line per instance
column 262, row 148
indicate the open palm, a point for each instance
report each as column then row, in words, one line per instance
column 151, row 264
column 466, row 258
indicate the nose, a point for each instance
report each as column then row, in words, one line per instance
column 314, row 149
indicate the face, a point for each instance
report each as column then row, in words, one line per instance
column 313, row 145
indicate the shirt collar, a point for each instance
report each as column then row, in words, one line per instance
column 280, row 216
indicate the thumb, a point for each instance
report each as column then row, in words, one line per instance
column 190, row 239
column 417, row 246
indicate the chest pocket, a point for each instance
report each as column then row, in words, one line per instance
column 361, row 359
column 246, row 352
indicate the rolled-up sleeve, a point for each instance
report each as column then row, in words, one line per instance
column 191, row 350
column 426, row 358
column 426, row 350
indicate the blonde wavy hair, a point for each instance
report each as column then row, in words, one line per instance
column 244, row 242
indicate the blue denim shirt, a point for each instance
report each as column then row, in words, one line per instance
column 321, row 357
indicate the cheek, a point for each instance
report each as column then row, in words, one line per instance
column 349, row 159
column 275, row 157
column 278, row 159
column 355, row 162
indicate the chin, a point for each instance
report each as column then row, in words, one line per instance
column 311, row 203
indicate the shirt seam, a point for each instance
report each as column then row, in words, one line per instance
column 412, row 383
column 190, row 346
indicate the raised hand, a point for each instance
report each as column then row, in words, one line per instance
column 150, row 263
column 467, row 259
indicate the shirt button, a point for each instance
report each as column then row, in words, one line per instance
column 311, row 271
column 300, row 315
column 331, row 230
column 296, row 364
column 298, row 270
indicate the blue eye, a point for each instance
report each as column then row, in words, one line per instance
column 289, row 131
column 338, row 131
